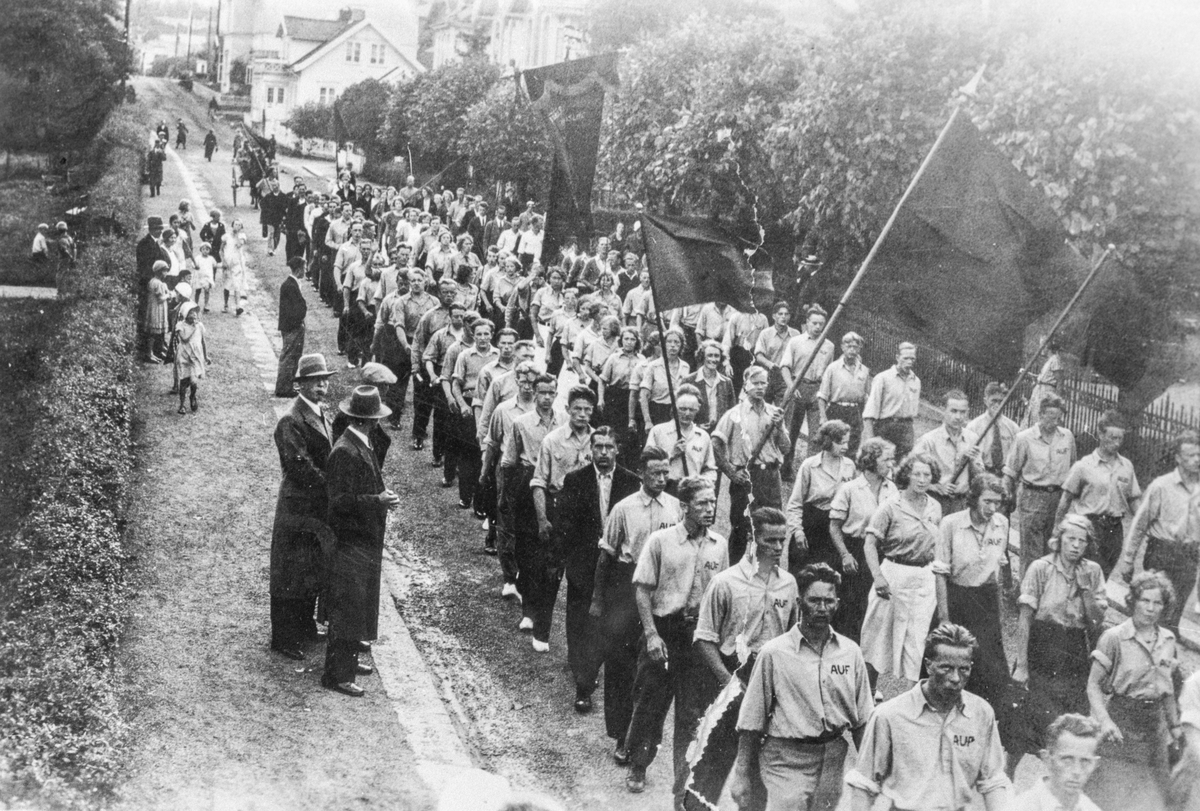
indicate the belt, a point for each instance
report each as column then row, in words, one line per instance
column 1106, row 517
column 1038, row 488
column 847, row 405
column 811, row 382
column 1137, row 703
column 819, row 740
column 916, row 564
column 894, row 419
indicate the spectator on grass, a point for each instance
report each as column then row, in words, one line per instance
column 40, row 252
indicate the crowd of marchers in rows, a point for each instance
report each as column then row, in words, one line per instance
column 591, row 436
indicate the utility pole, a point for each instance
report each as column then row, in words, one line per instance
column 189, row 40
column 177, row 40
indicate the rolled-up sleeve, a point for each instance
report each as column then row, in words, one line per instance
column 714, row 606
column 760, row 696
column 874, row 757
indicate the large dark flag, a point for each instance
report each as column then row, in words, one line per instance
column 695, row 261
column 570, row 95
column 975, row 257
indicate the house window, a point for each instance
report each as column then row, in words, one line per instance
column 377, row 54
column 353, row 51
column 270, row 95
column 327, row 95
column 279, row 95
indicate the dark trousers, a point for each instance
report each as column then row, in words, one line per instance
column 618, row 634
column 344, row 329
column 399, row 363
column 423, row 400
column 292, row 246
column 289, row 357
column 1179, row 562
column 538, row 575
column 581, row 643
column 897, row 431
column 360, row 327
column 688, row 682
column 469, row 459
column 767, row 487
column 1110, row 536
column 851, row 414
column 506, row 549
column 803, row 406
column 855, row 592
column 445, row 435
column 341, row 659
column 739, row 361
column 292, row 621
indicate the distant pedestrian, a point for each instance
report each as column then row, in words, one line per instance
column 191, row 354
column 210, row 144
column 893, row 401
column 154, row 167
column 234, row 259
column 39, row 254
column 292, row 312
column 181, row 134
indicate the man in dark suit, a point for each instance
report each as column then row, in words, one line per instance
column 358, row 507
column 272, row 207
column 586, row 497
column 292, row 311
column 293, row 219
column 149, row 250
column 304, row 439
column 494, row 228
column 474, row 224
column 381, row 377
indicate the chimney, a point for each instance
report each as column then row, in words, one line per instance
column 351, row 15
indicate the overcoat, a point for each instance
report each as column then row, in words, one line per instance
column 358, row 521
column 300, row 537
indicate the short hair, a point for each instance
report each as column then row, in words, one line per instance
column 215, row 212
column 752, row 370
column 904, row 472
column 1081, row 726
column 814, row 309
column 981, row 484
column 710, row 344
column 1052, row 401
column 482, row 322
column 955, row 394
column 521, row 344
column 581, row 393
column 817, row 573
column 1188, row 437
column 687, row 388
column 951, row 636
column 689, row 487
column 994, row 388
column 604, row 431
column 1148, row 581
column 636, row 336
column 507, row 331
column 1111, row 419
column 870, row 452
column 905, row 345
column 767, row 517
column 296, row 263
column 457, row 305
column 525, row 367
column 545, row 378
column 1072, row 521
column 652, row 453
column 853, row 336
column 676, row 333
column 168, row 232
column 831, row 432
column 780, row 305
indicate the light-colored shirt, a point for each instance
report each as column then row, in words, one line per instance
column 488, row 374
column 563, row 451
column 548, row 301
column 924, row 761
column 1189, row 701
column 743, row 330
column 741, row 427
column 523, row 443
column 817, row 486
column 904, row 532
column 654, row 379
column 633, row 302
column 617, row 369
column 679, row 568
column 415, row 305
column 843, row 384
column 970, row 555
column 468, row 365
column 1055, row 596
column 1008, row 434
column 1039, row 461
column 1170, row 511
column 796, row 353
column 503, row 388
column 1135, row 669
column 450, row 358
column 633, row 519
column 1102, row 487
column 771, row 344
column 892, row 396
column 697, row 450
column 1038, row 797
column 501, row 422
column 948, row 450
column 798, row 691
column 739, row 602
column 854, row 503
column 710, row 323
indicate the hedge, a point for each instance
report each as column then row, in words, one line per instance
column 64, row 570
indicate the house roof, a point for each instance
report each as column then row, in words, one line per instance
column 345, row 33
column 306, row 29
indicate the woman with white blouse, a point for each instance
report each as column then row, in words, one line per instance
column 817, row 481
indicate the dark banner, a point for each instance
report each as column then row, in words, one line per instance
column 570, row 95
column 694, row 261
column 975, row 257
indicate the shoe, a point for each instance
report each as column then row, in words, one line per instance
column 435, row 461
column 621, row 754
column 181, row 410
column 489, row 549
column 462, row 505
column 173, row 390
column 270, row 253
column 635, row 781
column 364, row 647
column 290, row 653
column 583, row 702
column 510, row 590
column 364, row 670
column 878, row 696
column 206, row 311
column 238, row 312
column 447, row 482
column 418, row 444
column 225, row 309
column 541, row 647
column 346, row 688
column 153, row 359
column 526, row 624
column 192, row 402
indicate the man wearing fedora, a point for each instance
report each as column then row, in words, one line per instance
column 358, row 507
column 381, row 377
column 299, row 538
column 149, row 250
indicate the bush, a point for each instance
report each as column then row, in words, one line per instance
column 64, row 569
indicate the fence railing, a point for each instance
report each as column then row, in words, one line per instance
column 1087, row 395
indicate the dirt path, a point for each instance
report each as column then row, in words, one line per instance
column 217, row 721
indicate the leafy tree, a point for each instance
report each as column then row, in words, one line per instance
column 429, row 111
column 311, row 122
column 364, row 107
column 60, row 61
column 505, row 139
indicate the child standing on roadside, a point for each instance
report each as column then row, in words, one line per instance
column 206, row 274
column 191, row 354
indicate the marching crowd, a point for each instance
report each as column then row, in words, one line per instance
column 592, row 439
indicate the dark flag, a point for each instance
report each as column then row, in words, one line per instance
column 694, row 261
column 570, row 95
column 975, row 257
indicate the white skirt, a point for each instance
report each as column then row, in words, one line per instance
column 894, row 630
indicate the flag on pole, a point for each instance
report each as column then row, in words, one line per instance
column 976, row 256
column 694, row 261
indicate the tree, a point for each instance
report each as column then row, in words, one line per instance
column 311, row 122
column 430, row 109
column 60, row 61
column 505, row 139
column 364, row 108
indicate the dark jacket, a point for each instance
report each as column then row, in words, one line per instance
column 213, row 235
column 300, row 532
column 149, row 251
column 492, row 232
column 294, row 205
column 272, row 207
column 358, row 522
column 725, row 398
column 292, row 306
column 380, row 441
column 579, row 523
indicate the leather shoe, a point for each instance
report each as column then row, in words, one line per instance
column 447, row 483
column 289, row 652
column 346, row 688
column 364, row 670
column 364, row 647
column 583, row 703
column 418, row 444
column 635, row 781
column 621, row 754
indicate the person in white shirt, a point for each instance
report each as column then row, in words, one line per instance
column 1070, row 758
column 529, row 246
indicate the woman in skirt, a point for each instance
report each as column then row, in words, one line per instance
column 233, row 257
column 655, row 397
column 900, row 544
column 564, row 327
column 849, row 513
column 1131, row 692
column 817, row 480
column 155, row 325
column 206, row 272
column 191, row 354
column 972, row 547
column 1062, row 600
column 613, row 394
column 597, row 352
